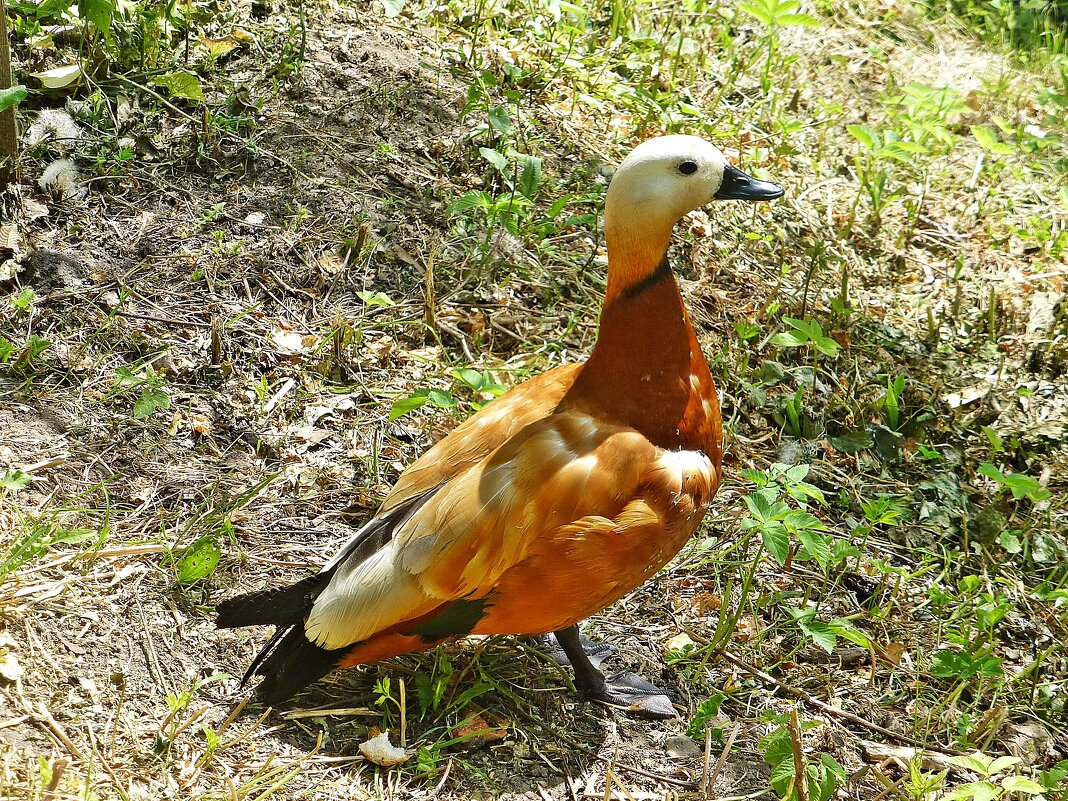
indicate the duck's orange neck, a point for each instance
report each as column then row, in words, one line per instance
column 647, row 369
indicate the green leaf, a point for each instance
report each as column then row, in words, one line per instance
column 1019, row 784
column 531, row 177
column 707, row 711
column 782, row 774
column 753, row 10
column 52, row 8
column 498, row 160
column 999, row 764
column 809, row 328
column 152, row 399
column 392, row 8
column 1020, row 484
column 826, row 346
column 804, row 20
column 557, row 207
column 375, row 298
column 36, row 345
column 1023, row 486
column 948, row 664
column 199, row 560
column 866, row 135
column 843, row 628
column 72, row 536
column 820, row 633
column 816, row 546
column 15, row 480
column 499, row 119
column 181, row 84
column 764, row 505
column 976, row 791
column 976, row 761
column 126, row 377
column 851, row 441
column 789, row 339
column 776, row 540
column 406, row 405
column 29, row 547
column 12, row 97
column 476, row 198
column 798, row 520
column 988, row 470
column 988, row 141
column 473, row 378
column 99, row 13
column 442, row 399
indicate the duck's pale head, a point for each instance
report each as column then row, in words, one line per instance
column 665, row 178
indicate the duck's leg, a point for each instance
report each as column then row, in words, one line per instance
column 596, row 651
column 623, row 689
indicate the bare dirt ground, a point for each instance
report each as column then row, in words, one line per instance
column 220, row 268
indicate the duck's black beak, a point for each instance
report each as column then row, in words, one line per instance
column 739, row 186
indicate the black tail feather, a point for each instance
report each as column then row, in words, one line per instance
column 289, row 662
column 282, row 606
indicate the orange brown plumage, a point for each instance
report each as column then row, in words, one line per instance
column 555, row 500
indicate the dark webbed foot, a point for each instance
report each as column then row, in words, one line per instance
column 626, row 690
column 597, row 652
column 634, row 694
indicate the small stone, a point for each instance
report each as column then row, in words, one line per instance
column 681, row 747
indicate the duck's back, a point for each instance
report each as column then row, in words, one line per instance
column 478, row 436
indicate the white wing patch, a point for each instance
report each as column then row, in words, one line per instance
column 373, row 595
column 686, row 467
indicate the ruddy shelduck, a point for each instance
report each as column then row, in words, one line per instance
column 555, row 500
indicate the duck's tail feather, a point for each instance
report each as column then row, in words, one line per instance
column 288, row 663
column 281, row 606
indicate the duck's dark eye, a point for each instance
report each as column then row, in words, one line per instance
column 688, row 167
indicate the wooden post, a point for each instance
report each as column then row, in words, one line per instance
column 9, row 142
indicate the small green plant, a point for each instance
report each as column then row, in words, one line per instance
column 25, row 358
column 199, row 560
column 178, row 705
column 794, row 412
column 23, row 301
column 385, row 699
column 39, row 537
column 706, row 712
column 891, row 403
column 805, row 334
column 778, row 523
column 988, row 769
column 928, row 112
column 13, row 480
column 1019, row 484
column 153, row 396
column 514, row 208
column 478, row 385
column 776, row 14
column 826, row 635
column 873, row 167
column 822, row 777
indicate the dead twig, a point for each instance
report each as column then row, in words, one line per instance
column 800, row 785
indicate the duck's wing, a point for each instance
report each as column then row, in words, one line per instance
column 473, row 441
column 482, row 522
column 483, row 433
